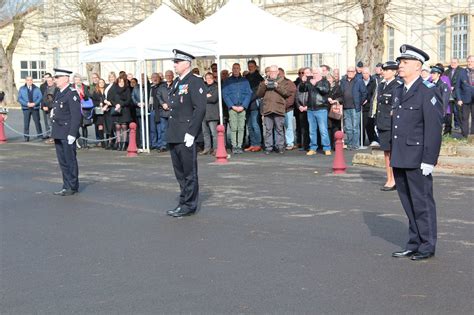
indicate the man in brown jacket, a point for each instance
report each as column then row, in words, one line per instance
column 275, row 91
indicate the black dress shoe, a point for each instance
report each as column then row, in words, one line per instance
column 421, row 256
column 182, row 212
column 386, row 188
column 170, row 212
column 403, row 254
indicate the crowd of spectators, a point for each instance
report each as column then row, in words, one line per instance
column 262, row 112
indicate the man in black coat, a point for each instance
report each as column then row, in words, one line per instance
column 452, row 72
column 187, row 105
column 66, row 120
column 416, row 141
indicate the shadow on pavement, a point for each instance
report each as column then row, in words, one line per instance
column 389, row 229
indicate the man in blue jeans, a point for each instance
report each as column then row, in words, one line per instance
column 255, row 134
column 29, row 96
column 317, row 88
column 354, row 94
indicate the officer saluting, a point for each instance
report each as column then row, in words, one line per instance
column 416, row 142
column 66, row 119
column 187, row 105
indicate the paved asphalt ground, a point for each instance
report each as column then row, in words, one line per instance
column 272, row 237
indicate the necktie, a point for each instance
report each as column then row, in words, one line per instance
column 405, row 90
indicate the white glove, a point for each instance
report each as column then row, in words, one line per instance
column 70, row 139
column 188, row 140
column 426, row 169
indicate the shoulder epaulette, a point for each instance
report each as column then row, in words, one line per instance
column 429, row 84
column 399, row 82
column 72, row 89
column 197, row 75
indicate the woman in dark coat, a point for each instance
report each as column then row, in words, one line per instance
column 98, row 97
column 122, row 103
column 87, row 113
column 209, row 124
column 383, row 120
column 334, row 98
column 108, row 121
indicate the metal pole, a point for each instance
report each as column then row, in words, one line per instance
column 362, row 129
column 142, row 110
column 219, row 88
column 147, row 127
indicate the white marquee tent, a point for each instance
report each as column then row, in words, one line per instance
column 243, row 29
column 238, row 29
column 153, row 38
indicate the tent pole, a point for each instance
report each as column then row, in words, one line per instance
column 219, row 88
column 147, row 127
column 142, row 110
column 221, row 153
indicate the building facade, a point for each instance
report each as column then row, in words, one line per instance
column 444, row 29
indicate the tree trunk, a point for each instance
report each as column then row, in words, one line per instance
column 7, row 75
column 370, row 34
column 92, row 67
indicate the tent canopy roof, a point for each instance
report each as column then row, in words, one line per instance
column 259, row 33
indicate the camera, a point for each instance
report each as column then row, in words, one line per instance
column 310, row 77
column 270, row 84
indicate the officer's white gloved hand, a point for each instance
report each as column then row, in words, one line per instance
column 426, row 169
column 70, row 139
column 188, row 140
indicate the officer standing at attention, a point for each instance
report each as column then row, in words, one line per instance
column 383, row 118
column 187, row 105
column 416, row 142
column 66, row 119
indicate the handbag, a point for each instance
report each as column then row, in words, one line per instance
column 98, row 110
column 87, row 104
column 335, row 112
column 115, row 112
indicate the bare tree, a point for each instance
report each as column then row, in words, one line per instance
column 370, row 45
column 101, row 18
column 195, row 11
column 14, row 12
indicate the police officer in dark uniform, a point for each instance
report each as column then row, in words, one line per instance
column 416, row 142
column 385, row 95
column 66, row 119
column 187, row 106
column 436, row 73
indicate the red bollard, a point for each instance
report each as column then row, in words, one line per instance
column 132, row 140
column 339, row 164
column 221, row 154
column 3, row 137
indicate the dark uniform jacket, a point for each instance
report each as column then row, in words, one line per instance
column 66, row 114
column 187, row 101
column 444, row 92
column 416, row 125
column 385, row 96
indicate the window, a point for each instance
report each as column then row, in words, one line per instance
column 390, row 43
column 35, row 69
column 308, row 61
column 442, row 41
column 459, row 24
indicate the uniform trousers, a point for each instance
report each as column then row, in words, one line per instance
column 66, row 154
column 416, row 195
column 185, row 167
